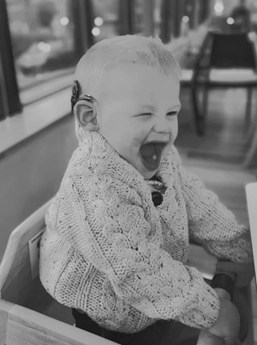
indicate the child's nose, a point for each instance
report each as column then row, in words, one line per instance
column 162, row 126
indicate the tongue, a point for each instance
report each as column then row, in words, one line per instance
column 151, row 155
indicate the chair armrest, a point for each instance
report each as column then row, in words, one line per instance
column 23, row 326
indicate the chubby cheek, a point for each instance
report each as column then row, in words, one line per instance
column 175, row 132
column 130, row 146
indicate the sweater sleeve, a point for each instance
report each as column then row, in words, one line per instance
column 110, row 230
column 212, row 224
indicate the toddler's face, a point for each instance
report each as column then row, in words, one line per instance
column 138, row 114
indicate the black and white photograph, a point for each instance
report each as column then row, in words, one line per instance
column 128, row 172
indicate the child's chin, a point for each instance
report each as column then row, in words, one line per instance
column 148, row 174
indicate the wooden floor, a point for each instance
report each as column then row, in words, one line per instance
column 217, row 158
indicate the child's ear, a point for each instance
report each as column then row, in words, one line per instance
column 86, row 115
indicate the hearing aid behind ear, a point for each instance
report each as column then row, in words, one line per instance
column 75, row 96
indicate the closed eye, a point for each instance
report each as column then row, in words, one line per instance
column 144, row 114
column 172, row 113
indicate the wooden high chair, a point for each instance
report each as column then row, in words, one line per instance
column 28, row 314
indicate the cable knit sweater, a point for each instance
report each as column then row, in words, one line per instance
column 108, row 251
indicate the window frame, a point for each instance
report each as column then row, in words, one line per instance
column 10, row 103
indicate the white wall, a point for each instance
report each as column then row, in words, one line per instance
column 31, row 173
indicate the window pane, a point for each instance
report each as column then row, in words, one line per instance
column 42, row 39
column 106, row 19
column 161, row 23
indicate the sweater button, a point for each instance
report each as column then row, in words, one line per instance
column 157, row 198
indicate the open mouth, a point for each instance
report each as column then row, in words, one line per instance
column 151, row 154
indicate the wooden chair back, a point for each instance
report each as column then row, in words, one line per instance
column 18, row 279
column 226, row 50
column 233, row 51
column 28, row 314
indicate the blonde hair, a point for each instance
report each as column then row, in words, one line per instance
column 108, row 53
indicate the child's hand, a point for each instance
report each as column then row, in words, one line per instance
column 244, row 272
column 228, row 322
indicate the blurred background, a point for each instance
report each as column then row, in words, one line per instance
column 49, row 36
column 42, row 40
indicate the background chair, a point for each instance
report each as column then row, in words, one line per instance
column 224, row 60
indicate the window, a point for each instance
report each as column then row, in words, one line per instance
column 42, row 33
column 49, row 36
column 42, row 40
column 106, row 19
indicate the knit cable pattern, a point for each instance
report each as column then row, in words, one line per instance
column 110, row 253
